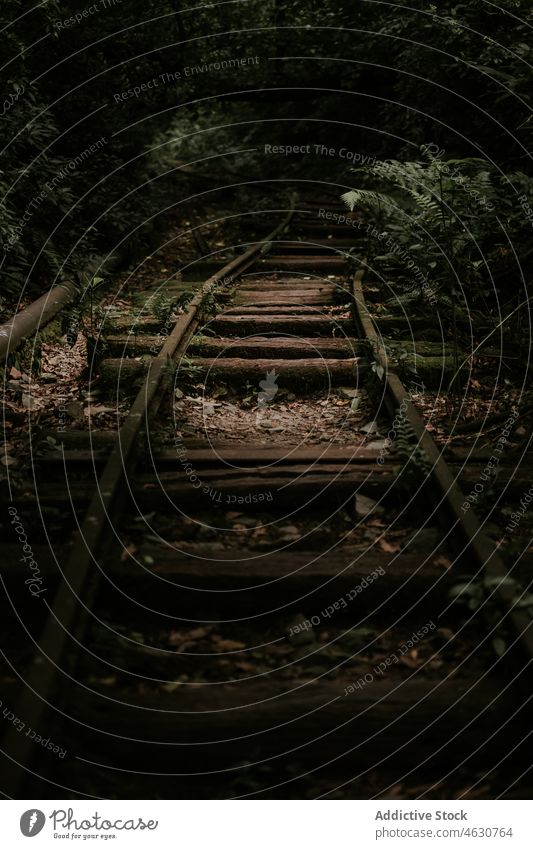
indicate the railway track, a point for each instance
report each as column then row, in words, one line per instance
column 244, row 589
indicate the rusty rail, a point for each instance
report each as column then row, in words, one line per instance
column 466, row 525
column 82, row 564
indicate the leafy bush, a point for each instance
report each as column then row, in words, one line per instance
column 454, row 227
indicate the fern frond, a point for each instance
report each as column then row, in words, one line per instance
column 375, row 202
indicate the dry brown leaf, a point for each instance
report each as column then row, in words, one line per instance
column 411, row 658
column 198, row 633
column 175, row 638
column 388, row 547
column 376, row 523
column 128, row 551
column 97, row 409
column 442, row 561
column 228, row 645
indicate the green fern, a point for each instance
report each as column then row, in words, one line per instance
column 416, row 465
column 440, row 219
column 371, row 201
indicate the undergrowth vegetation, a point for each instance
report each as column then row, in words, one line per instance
column 455, row 228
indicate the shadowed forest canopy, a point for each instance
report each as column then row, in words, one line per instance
column 104, row 102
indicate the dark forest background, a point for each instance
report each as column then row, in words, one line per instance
column 88, row 169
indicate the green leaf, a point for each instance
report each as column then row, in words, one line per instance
column 499, row 645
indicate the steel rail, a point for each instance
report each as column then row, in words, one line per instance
column 474, row 540
column 34, row 700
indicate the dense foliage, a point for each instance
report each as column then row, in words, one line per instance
column 101, row 103
column 456, row 229
column 86, row 89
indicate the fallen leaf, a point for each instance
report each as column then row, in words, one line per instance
column 227, row 645
column 198, row 633
column 74, row 410
column 376, row 523
column 365, row 506
column 348, row 392
column 9, row 461
column 377, row 445
column 28, row 402
column 172, row 686
column 442, row 561
column 370, row 428
column 97, row 409
column 411, row 659
column 388, row 547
